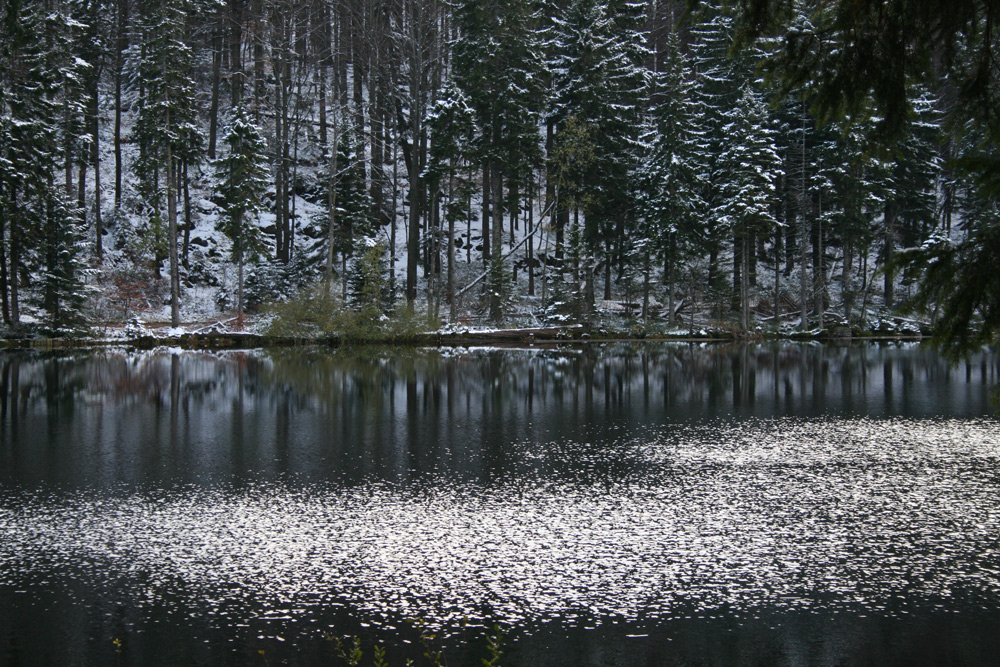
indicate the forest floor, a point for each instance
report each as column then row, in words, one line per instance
column 224, row 331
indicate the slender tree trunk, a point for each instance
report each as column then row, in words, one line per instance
column 259, row 80
column 608, row 254
column 451, row 246
column 530, row 230
column 235, row 52
column 332, row 212
column 394, row 220
column 745, row 284
column 645, row 284
column 175, row 282
column 121, row 45
column 118, row 137
column 238, row 241
column 213, row 113
column 777, row 276
column 321, row 76
column 95, row 158
column 671, row 262
column 890, row 243
column 803, row 235
column 803, row 270
column 188, row 222
column 487, row 187
column 496, row 281
column 4, row 286
column 819, row 270
column 15, row 261
column 845, row 280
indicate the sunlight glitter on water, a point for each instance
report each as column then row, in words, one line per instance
column 880, row 515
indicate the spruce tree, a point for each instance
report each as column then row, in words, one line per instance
column 354, row 205
column 40, row 104
column 243, row 180
column 453, row 133
column 497, row 64
column 751, row 164
column 598, row 79
column 161, row 75
column 667, row 224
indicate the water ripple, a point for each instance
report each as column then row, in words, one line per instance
column 880, row 515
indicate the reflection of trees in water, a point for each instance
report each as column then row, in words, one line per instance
column 389, row 412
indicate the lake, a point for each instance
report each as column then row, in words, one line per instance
column 618, row 504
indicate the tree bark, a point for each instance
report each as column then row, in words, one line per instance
column 175, row 282
column 890, row 243
column 95, row 158
column 213, row 113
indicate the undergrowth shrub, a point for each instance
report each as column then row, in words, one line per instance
column 318, row 311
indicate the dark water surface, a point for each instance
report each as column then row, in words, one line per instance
column 613, row 505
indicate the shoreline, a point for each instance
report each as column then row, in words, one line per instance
column 541, row 336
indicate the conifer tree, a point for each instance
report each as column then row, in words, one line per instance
column 40, row 104
column 717, row 83
column 354, row 206
column 598, row 78
column 670, row 196
column 161, row 68
column 243, row 180
column 751, row 165
column 453, row 133
column 497, row 64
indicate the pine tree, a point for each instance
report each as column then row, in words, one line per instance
column 719, row 80
column 497, row 64
column 847, row 180
column 370, row 291
column 670, row 195
column 243, row 180
column 161, row 74
column 40, row 104
column 355, row 208
column 911, row 190
column 453, row 133
column 751, row 165
column 598, row 78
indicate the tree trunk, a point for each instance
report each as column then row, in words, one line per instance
column 530, row 230
column 487, row 187
column 257, row 37
column 175, row 282
column 15, row 261
column 745, row 283
column 213, row 113
column 188, row 222
column 239, row 262
column 332, row 212
column 645, row 284
column 607, row 269
column 890, row 242
column 4, row 302
column 95, row 158
column 845, row 280
column 671, row 261
column 803, row 270
column 121, row 45
column 496, row 281
column 803, row 235
column 819, row 270
column 235, row 52
column 451, row 248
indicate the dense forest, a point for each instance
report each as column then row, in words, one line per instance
column 481, row 160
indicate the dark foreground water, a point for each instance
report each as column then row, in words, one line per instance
column 618, row 505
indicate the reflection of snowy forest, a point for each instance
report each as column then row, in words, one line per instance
column 312, row 411
column 587, row 158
